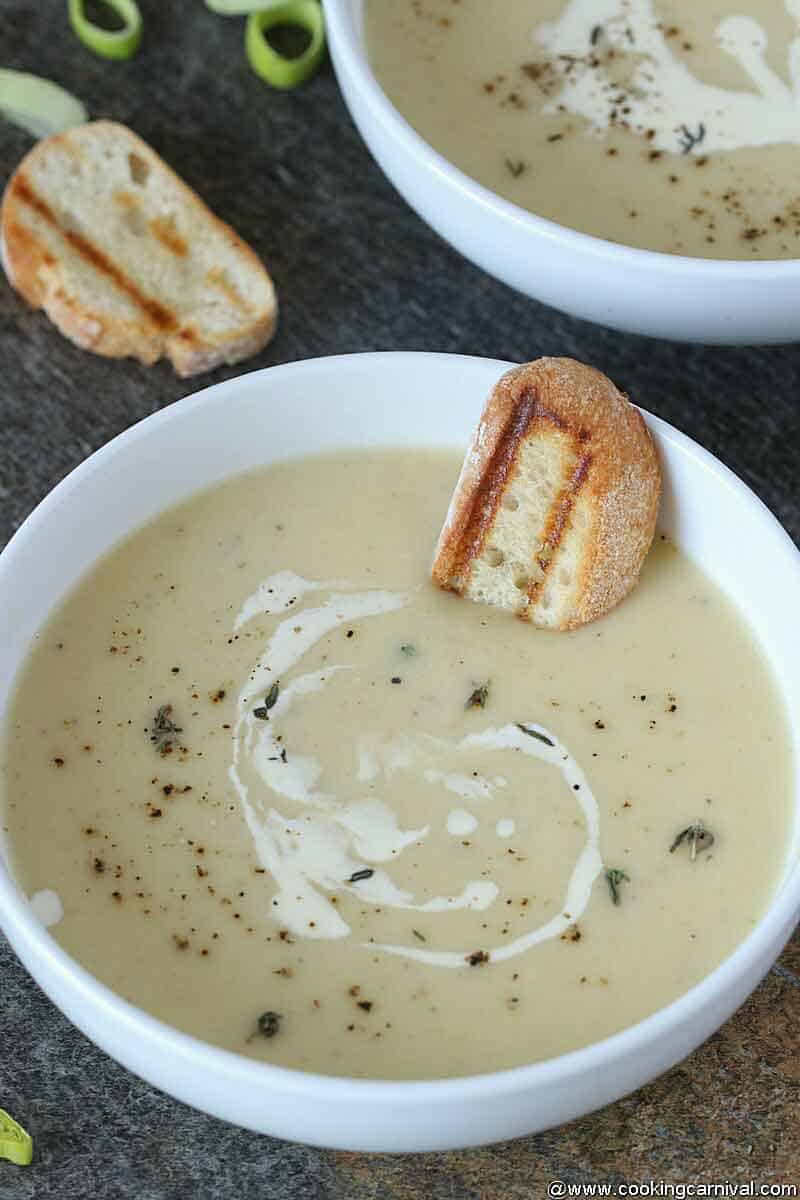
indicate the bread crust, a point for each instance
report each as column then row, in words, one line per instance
column 616, row 476
column 156, row 331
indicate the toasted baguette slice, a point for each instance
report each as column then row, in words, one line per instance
column 126, row 259
column 556, row 504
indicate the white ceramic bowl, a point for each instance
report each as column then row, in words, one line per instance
column 639, row 291
column 372, row 400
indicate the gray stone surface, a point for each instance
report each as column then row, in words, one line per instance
column 356, row 270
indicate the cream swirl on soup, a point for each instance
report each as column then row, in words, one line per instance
column 332, row 843
column 656, row 93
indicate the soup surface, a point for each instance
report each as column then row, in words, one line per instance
column 662, row 124
column 266, row 782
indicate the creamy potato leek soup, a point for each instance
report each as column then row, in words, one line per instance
column 267, row 782
column 663, row 124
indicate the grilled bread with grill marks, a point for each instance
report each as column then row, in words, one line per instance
column 556, row 504
column 126, row 259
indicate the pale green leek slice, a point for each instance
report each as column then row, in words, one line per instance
column 239, row 8
column 38, row 105
column 16, row 1144
column 275, row 68
column 108, row 43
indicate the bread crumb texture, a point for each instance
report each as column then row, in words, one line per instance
column 556, row 504
column 126, row 259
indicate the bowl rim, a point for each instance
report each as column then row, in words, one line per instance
column 345, row 40
column 24, row 930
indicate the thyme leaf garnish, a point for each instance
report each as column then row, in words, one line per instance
column 689, row 140
column 478, row 697
column 515, row 169
column 615, row 877
column 419, row 936
column 698, row 837
column 267, row 1025
column 409, row 649
column 270, row 700
column 164, row 729
column 364, row 873
column 534, row 733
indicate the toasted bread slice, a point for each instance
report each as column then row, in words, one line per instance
column 556, row 505
column 126, row 259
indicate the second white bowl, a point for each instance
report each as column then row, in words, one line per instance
column 638, row 291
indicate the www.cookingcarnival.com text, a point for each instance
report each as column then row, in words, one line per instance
column 558, row 1189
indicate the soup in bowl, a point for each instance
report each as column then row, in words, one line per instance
column 629, row 161
column 342, row 858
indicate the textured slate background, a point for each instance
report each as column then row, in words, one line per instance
column 355, row 270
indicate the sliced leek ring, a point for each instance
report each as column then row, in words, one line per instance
column 38, row 105
column 108, row 43
column 239, row 8
column 16, row 1144
column 274, row 68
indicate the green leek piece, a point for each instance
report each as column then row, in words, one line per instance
column 275, row 68
column 37, row 105
column 16, row 1144
column 109, row 43
column 239, row 8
